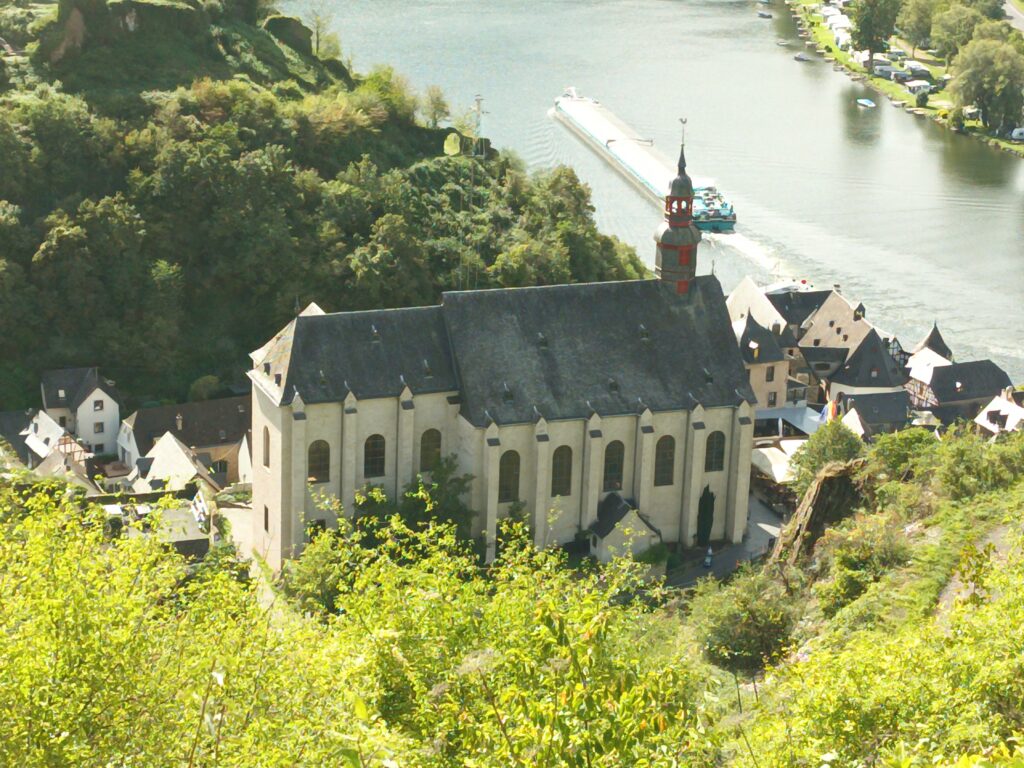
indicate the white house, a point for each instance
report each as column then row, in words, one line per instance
column 170, row 465
column 84, row 404
column 555, row 399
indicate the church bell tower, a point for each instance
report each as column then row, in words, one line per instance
column 678, row 237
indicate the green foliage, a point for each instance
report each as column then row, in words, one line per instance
column 834, row 441
column 855, row 555
column 204, row 388
column 874, row 22
column 746, row 623
column 915, row 21
column 240, row 202
column 990, row 75
column 967, row 464
column 953, row 28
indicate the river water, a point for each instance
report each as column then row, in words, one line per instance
column 912, row 220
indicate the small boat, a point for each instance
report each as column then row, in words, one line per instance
column 866, row 103
column 783, row 43
column 802, row 57
column 764, row 14
column 765, row 2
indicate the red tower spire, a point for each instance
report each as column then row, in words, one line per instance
column 678, row 237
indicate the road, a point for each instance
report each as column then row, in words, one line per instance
column 1016, row 16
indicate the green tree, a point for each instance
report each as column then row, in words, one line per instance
column 746, row 623
column 915, row 22
column 953, row 29
column 204, row 388
column 434, row 106
column 833, row 441
column 319, row 16
column 990, row 75
column 873, row 25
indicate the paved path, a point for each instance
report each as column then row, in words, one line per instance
column 762, row 528
column 1016, row 16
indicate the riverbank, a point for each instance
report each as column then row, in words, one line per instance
column 940, row 104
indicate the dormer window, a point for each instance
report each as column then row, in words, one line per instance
column 542, row 341
column 645, row 335
column 874, row 373
column 613, row 386
column 707, row 376
column 60, row 394
column 506, row 394
column 426, row 369
column 831, row 323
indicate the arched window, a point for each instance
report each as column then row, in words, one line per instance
column 508, row 477
column 319, row 464
column 373, row 456
column 714, row 455
column 266, row 447
column 614, row 461
column 430, row 450
column 561, row 471
column 664, row 460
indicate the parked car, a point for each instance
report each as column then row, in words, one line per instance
column 902, row 76
column 918, row 70
column 886, row 71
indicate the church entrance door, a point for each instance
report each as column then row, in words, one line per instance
column 705, row 517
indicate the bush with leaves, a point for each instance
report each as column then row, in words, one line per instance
column 745, row 623
column 832, row 442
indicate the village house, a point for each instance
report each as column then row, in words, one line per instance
column 217, row 428
column 1004, row 413
column 85, row 404
column 555, row 399
column 869, row 415
column 766, row 363
column 171, row 465
column 961, row 390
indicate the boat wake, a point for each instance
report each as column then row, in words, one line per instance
column 751, row 250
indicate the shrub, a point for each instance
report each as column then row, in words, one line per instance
column 856, row 555
column 744, row 624
column 921, row 100
column 832, row 442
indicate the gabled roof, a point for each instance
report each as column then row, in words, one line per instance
column 324, row 357
column 836, row 323
column 69, row 387
column 758, row 344
column 870, row 365
column 222, row 421
column 881, row 408
column 1002, row 414
column 968, row 381
column 561, row 352
column 566, row 351
column 747, row 299
column 935, row 343
column 923, row 362
column 797, row 306
column 830, row 355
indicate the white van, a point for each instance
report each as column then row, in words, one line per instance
column 919, row 86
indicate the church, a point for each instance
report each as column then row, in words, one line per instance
column 612, row 415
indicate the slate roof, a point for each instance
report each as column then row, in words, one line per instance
column 881, row 408
column 979, row 379
column 12, row 423
column 208, row 422
column 758, row 344
column 797, row 306
column 366, row 353
column 935, row 343
column 870, row 365
column 561, row 351
column 611, row 511
column 569, row 350
column 77, row 384
column 830, row 355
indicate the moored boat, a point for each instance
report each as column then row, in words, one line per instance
column 764, row 14
column 866, row 103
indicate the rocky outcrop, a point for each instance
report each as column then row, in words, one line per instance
column 291, row 32
column 833, row 496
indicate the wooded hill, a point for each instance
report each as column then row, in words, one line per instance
column 176, row 179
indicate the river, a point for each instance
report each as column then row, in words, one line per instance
column 917, row 223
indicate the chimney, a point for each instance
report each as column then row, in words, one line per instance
column 178, row 422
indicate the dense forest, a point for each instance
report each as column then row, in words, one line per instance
column 176, row 178
column 896, row 641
